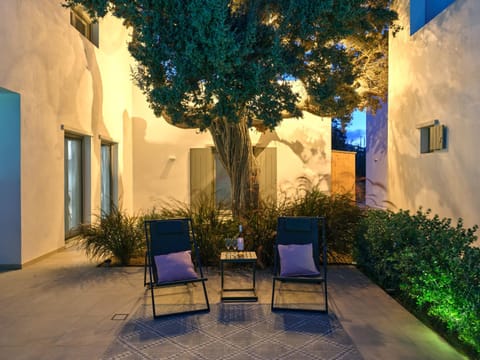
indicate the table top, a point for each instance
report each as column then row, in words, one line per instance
column 240, row 256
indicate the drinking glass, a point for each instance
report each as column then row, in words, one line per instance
column 228, row 243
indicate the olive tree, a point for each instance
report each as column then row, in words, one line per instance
column 224, row 66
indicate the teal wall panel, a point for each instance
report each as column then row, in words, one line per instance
column 10, row 179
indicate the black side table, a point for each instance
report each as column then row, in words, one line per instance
column 239, row 294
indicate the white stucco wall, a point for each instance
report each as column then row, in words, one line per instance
column 376, row 162
column 303, row 149
column 62, row 80
column 435, row 74
column 160, row 157
column 66, row 84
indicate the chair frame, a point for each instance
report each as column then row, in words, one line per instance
column 320, row 280
column 152, row 228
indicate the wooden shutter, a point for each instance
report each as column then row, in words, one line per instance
column 202, row 174
column 436, row 137
column 267, row 176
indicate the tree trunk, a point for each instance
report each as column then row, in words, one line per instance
column 234, row 147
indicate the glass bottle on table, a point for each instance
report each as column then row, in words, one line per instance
column 240, row 239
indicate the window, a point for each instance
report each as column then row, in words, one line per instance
column 422, row 11
column 80, row 20
column 108, row 175
column 432, row 137
column 209, row 178
column 106, row 193
column 73, row 185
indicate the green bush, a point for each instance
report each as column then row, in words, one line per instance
column 342, row 216
column 381, row 234
column 430, row 264
column 260, row 227
column 116, row 234
column 211, row 224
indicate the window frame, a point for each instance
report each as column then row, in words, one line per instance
column 433, row 137
column 89, row 29
column 113, row 173
column 74, row 231
column 109, row 196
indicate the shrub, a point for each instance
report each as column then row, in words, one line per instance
column 116, row 234
column 431, row 264
column 380, row 235
column 340, row 211
column 211, row 224
column 342, row 219
column 260, row 230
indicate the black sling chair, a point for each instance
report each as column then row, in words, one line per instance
column 297, row 257
column 170, row 246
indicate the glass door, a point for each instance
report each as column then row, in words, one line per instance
column 106, row 175
column 73, row 186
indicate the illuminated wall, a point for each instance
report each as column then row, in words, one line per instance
column 304, row 150
column 376, row 158
column 434, row 75
column 161, row 155
column 65, row 83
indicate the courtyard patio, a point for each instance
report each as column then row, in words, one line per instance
column 65, row 307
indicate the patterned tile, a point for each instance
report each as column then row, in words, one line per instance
column 233, row 332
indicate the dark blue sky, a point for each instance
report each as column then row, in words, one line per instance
column 356, row 129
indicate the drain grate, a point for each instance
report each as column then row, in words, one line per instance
column 120, row 317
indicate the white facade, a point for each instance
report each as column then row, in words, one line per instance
column 434, row 75
column 376, row 159
column 64, row 86
column 161, row 162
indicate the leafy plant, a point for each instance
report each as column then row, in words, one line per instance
column 341, row 213
column 431, row 265
column 381, row 234
column 260, row 230
column 211, row 224
column 115, row 234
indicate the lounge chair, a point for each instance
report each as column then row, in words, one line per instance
column 171, row 246
column 297, row 254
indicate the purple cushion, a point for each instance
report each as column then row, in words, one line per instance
column 297, row 260
column 175, row 267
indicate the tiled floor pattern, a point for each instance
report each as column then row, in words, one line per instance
column 233, row 331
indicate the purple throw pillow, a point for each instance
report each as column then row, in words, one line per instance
column 297, row 260
column 175, row 267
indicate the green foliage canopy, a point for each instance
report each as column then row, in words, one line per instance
column 201, row 60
